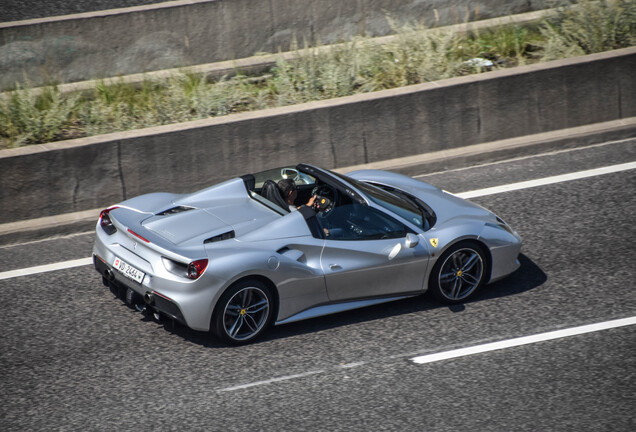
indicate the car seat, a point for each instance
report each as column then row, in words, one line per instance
column 271, row 192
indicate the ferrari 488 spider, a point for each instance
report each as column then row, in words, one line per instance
column 234, row 258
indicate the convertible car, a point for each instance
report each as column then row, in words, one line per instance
column 235, row 258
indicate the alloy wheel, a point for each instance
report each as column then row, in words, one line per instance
column 460, row 274
column 246, row 313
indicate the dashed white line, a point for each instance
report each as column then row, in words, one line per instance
column 351, row 365
column 269, row 381
column 541, row 337
column 48, row 239
column 548, row 180
column 462, row 352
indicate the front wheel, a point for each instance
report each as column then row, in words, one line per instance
column 458, row 273
column 243, row 312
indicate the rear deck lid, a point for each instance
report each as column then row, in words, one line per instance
column 181, row 227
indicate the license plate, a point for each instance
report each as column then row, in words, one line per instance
column 128, row 270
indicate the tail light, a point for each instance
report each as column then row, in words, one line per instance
column 196, row 268
column 105, row 222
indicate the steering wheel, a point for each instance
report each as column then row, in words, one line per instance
column 325, row 199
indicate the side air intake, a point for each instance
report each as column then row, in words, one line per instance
column 225, row 236
column 175, row 210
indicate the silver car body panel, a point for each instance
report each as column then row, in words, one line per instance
column 457, row 220
column 355, row 269
column 310, row 276
column 338, row 307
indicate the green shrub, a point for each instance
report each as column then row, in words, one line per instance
column 503, row 44
column 415, row 57
column 30, row 118
column 317, row 74
column 590, row 27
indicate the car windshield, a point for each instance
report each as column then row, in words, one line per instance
column 397, row 203
column 300, row 178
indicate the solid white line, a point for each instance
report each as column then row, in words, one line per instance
column 548, row 180
column 541, row 337
column 465, row 195
column 46, row 268
column 269, row 381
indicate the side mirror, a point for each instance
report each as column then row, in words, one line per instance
column 289, row 173
column 411, row 240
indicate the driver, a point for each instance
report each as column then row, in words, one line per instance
column 289, row 192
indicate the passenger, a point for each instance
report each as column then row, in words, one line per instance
column 289, row 192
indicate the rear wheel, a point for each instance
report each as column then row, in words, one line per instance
column 243, row 312
column 458, row 273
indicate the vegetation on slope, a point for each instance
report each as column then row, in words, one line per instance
column 360, row 65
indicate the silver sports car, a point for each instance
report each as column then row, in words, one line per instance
column 235, row 258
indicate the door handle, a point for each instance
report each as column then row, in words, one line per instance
column 334, row 267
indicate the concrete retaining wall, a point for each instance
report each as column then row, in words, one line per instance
column 188, row 32
column 87, row 173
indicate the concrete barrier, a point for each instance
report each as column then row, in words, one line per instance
column 188, row 32
column 260, row 64
column 86, row 173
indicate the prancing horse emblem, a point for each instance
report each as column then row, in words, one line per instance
column 433, row 242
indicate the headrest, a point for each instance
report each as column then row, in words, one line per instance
column 271, row 192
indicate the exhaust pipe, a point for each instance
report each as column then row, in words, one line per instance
column 149, row 298
column 109, row 275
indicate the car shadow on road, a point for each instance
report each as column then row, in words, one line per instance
column 527, row 277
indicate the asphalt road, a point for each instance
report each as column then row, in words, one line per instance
column 72, row 357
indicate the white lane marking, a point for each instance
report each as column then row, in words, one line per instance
column 351, row 365
column 541, row 337
column 465, row 195
column 45, row 268
column 548, row 180
column 532, row 156
column 462, row 352
column 269, row 381
column 48, row 239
